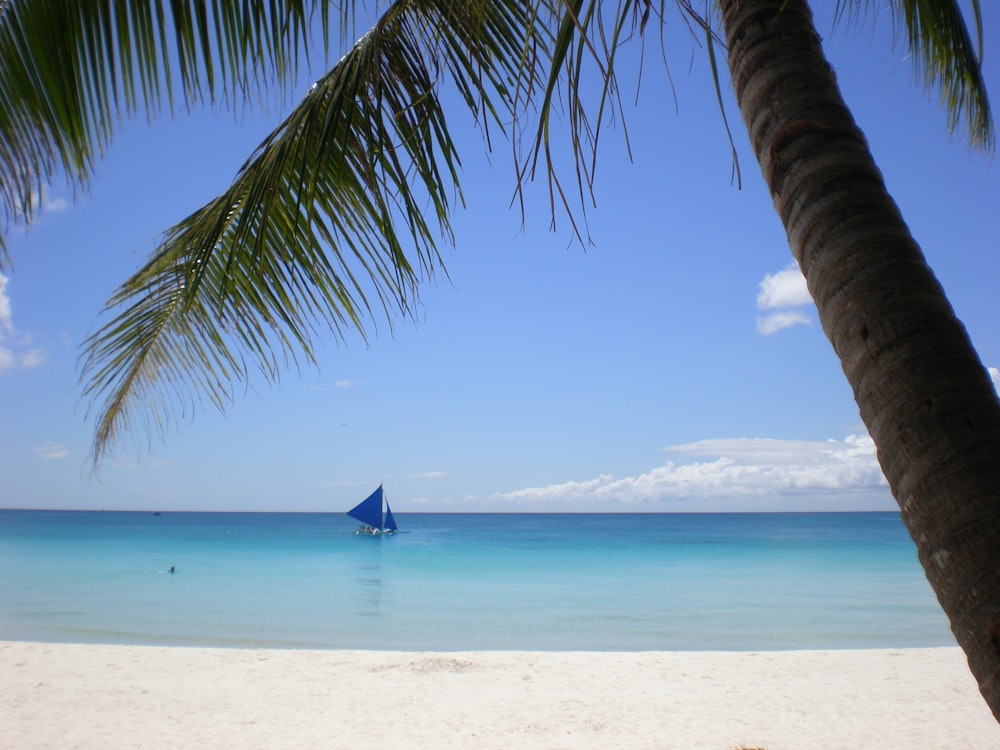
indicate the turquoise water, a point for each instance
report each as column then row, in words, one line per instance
column 467, row 581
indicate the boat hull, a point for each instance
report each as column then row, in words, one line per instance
column 374, row 532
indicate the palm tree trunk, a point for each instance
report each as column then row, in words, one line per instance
column 921, row 389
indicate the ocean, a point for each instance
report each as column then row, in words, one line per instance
column 452, row 582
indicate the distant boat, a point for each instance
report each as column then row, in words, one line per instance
column 369, row 512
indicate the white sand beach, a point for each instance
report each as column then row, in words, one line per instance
column 109, row 697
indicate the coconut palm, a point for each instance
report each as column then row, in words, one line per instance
column 336, row 217
column 922, row 392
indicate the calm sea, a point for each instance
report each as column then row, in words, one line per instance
column 467, row 581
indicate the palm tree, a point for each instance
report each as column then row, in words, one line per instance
column 325, row 223
column 925, row 397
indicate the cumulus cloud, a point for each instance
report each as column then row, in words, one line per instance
column 10, row 360
column 751, row 473
column 780, row 299
column 54, row 205
column 7, row 358
column 33, row 358
column 41, row 203
column 995, row 376
column 786, row 288
column 50, row 451
column 6, row 321
column 776, row 321
column 19, row 353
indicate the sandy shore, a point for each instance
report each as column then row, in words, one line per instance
column 109, row 697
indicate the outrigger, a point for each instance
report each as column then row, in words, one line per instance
column 369, row 512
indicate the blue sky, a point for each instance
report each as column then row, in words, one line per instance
column 674, row 364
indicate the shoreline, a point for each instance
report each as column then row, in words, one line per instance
column 107, row 697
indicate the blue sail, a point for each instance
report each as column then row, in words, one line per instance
column 369, row 510
column 390, row 522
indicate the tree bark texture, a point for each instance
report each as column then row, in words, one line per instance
column 922, row 391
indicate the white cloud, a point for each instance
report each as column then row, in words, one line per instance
column 428, row 475
column 33, row 358
column 739, row 474
column 768, row 324
column 55, row 205
column 6, row 360
column 778, row 298
column 6, row 322
column 50, row 451
column 786, row 288
column 41, row 203
column 345, row 383
column 13, row 354
column 995, row 377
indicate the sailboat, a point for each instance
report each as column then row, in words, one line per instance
column 369, row 512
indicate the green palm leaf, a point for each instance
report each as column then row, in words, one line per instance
column 69, row 70
column 335, row 216
column 946, row 57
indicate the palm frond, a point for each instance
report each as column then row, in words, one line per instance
column 951, row 61
column 70, row 70
column 581, row 36
column 581, row 87
column 335, row 216
column 947, row 58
